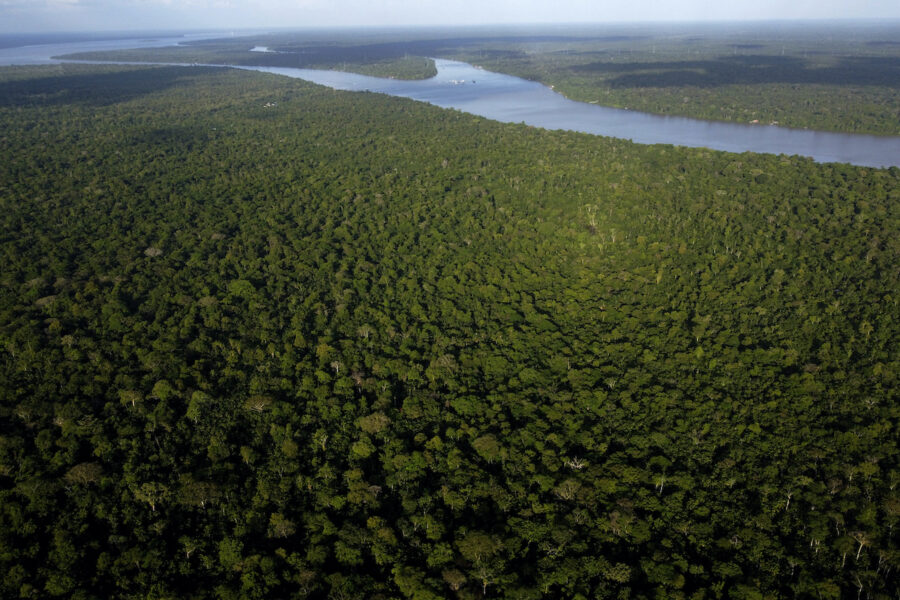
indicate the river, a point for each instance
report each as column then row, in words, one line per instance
column 513, row 100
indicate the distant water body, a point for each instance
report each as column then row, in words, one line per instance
column 513, row 100
column 42, row 53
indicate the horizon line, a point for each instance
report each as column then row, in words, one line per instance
column 406, row 26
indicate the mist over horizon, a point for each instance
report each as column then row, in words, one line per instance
column 73, row 16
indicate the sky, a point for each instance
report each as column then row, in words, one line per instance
column 27, row 16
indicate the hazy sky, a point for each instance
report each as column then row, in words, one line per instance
column 20, row 16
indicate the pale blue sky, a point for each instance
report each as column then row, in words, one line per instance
column 20, row 16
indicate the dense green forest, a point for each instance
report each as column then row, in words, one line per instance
column 824, row 76
column 263, row 339
column 837, row 77
column 355, row 59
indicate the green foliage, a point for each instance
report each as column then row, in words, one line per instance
column 839, row 77
column 386, row 350
column 392, row 61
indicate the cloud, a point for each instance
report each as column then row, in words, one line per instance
column 38, row 5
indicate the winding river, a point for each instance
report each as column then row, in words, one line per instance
column 513, row 100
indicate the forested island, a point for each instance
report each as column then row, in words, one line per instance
column 264, row 339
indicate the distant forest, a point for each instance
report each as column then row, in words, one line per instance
column 263, row 339
column 835, row 77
